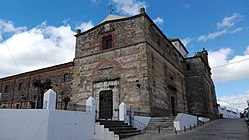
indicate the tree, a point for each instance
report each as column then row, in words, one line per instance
column 42, row 86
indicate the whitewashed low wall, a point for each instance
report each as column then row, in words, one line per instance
column 229, row 114
column 102, row 133
column 41, row 124
column 186, row 120
column 203, row 119
column 143, row 119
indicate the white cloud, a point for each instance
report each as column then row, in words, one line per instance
column 234, row 68
column 129, row 7
column 213, row 35
column 225, row 25
column 65, row 21
column 186, row 40
column 228, row 22
column 85, row 26
column 9, row 27
column 158, row 20
column 39, row 47
column 246, row 51
column 234, row 102
column 236, row 30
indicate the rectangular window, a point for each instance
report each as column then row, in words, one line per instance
column 188, row 67
column 66, row 78
column 20, row 86
column 6, row 89
column 107, row 42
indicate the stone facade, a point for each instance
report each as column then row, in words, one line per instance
column 133, row 61
column 18, row 91
column 200, row 87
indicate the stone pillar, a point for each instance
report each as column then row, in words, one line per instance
column 49, row 99
column 91, row 104
column 122, row 111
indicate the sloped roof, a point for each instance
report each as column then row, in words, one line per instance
column 112, row 17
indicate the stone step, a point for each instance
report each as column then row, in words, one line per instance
column 125, row 131
column 115, row 125
column 165, row 126
column 120, row 128
column 161, row 128
column 122, row 136
column 166, row 122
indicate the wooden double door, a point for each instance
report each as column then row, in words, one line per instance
column 105, row 104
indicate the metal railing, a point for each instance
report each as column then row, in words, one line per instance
column 77, row 107
column 135, row 123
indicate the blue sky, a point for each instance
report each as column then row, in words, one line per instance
column 34, row 29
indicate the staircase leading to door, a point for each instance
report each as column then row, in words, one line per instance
column 120, row 128
column 165, row 123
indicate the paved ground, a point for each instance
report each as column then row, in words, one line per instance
column 223, row 129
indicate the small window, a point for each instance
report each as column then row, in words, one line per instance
column 20, row 86
column 171, row 78
column 107, row 42
column 188, row 67
column 6, row 89
column 66, row 78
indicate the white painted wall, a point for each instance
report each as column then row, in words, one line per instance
column 66, row 125
column 230, row 114
column 186, row 120
column 23, row 124
column 102, row 133
column 45, row 125
column 203, row 119
column 49, row 100
column 180, row 48
column 122, row 112
column 143, row 119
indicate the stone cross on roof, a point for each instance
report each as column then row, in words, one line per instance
column 110, row 8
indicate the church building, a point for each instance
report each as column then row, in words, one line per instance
column 123, row 59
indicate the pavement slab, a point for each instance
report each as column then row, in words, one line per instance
column 222, row 129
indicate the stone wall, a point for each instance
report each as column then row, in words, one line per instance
column 166, row 77
column 20, row 92
column 200, row 88
column 124, row 33
column 125, row 64
column 141, row 69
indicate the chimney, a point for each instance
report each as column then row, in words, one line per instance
column 142, row 10
column 205, row 55
column 78, row 31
